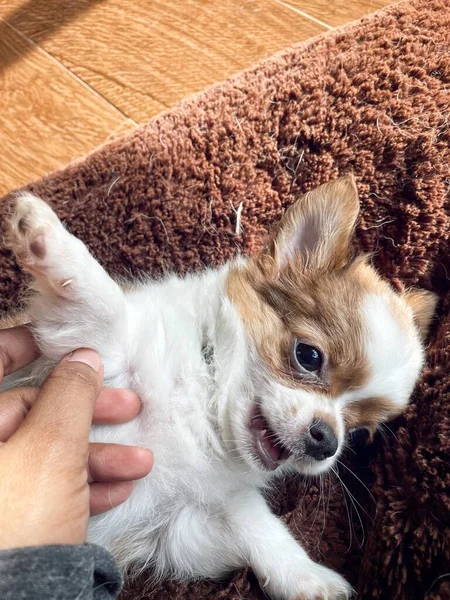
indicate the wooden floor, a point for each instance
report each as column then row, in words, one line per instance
column 75, row 73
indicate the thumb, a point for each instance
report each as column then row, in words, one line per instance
column 65, row 403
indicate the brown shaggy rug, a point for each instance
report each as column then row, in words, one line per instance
column 373, row 98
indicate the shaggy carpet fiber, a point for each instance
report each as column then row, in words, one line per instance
column 372, row 98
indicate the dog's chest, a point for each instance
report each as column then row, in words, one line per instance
column 171, row 359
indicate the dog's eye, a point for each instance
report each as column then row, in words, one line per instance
column 307, row 357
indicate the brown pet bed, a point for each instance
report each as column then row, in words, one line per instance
column 373, row 98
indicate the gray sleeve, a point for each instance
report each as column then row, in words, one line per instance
column 84, row 572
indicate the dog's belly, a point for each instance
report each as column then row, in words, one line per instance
column 189, row 482
column 170, row 510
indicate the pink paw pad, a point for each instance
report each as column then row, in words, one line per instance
column 37, row 247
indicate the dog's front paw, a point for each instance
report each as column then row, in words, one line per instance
column 309, row 581
column 320, row 583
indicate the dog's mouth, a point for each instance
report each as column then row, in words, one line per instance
column 267, row 445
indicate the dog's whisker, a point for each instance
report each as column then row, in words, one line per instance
column 327, row 506
column 358, row 479
column 350, row 524
column 355, row 504
column 386, row 426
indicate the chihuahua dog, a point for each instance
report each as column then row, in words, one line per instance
column 246, row 373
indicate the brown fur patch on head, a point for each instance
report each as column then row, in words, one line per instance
column 369, row 413
column 306, row 286
column 320, row 308
column 263, row 323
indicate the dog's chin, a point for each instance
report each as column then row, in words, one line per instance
column 314, row 467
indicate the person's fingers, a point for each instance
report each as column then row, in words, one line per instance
column 113, row 406
column 14, row 406
column 115, row 462
column 17, row 349
column 116, row 406
column 64, row 407
column 105, row 496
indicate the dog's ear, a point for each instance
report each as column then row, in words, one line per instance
column 423, row 305
column 316, row 231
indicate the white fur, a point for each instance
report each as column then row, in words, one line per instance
column 181, row 345
column 395, row 352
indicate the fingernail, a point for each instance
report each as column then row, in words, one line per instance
column 87, row 357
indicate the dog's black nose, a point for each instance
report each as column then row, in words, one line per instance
column 321, row 441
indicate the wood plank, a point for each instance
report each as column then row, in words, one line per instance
column 336, row 12
column 145, row 55
column 47, row 116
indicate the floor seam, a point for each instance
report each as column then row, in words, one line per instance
column 304, row 14
column 66, row 69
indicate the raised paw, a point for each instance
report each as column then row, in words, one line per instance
column 31, row 223
column 39, row 241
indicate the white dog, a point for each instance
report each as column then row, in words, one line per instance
column 245, row 373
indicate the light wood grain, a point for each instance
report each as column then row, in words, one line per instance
column 47, row 117
column 336, row 12
column 144, row 56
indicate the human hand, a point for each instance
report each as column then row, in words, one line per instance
column 51, row 476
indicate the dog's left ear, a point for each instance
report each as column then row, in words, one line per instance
column 423, row 305
column 316, row 231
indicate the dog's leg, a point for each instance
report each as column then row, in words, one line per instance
column 283, row 568
column 77, row 302
column 246, row 534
